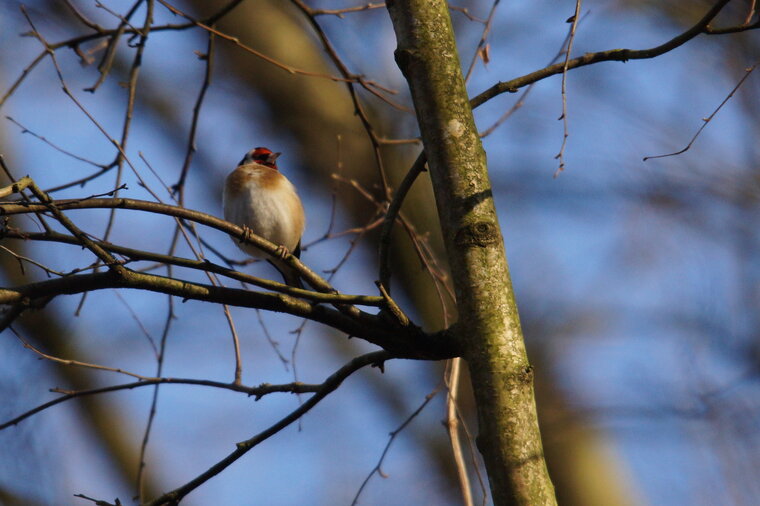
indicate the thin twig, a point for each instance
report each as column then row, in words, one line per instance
column 452, row 426
column 524, row 95
column 84, row 240
column 340, row 12
column 123, row 19
column 328, row 386
column 24, row 74
column 257, row 392
column 288, row 68
column 21, row 192
column 160, row 356
column 22, row 258
column 565, row 134
column 272, row 343
column 179, row 186
column 392, row 436
column 464, row 11
column 358, row 107
column 621, row 55
column 81, row 17
column 394, row 208
column 25, row 130
column 751, row 12
column 113, row 42
column 707, row 120
column 140, row 325
column 482, row 47
column 134, row 73
column 71, row 362
column 238, row 373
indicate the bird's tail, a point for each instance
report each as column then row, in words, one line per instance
column 289, row 275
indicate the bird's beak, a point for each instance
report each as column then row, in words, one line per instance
column 273, row 157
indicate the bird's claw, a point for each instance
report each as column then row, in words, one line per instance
column 247, row 232
column 281, row 251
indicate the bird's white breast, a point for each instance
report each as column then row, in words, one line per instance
column 266, row 202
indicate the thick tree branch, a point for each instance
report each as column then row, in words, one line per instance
column 409, row 342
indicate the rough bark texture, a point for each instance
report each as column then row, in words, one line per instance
column 502, row 378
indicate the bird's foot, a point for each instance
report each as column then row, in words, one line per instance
column 247, row 233
column 281, row 252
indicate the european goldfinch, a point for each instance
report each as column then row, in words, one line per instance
column 259, row 197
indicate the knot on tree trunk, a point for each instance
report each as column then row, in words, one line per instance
column 480, row 233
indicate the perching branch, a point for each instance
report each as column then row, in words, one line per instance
column 403, row 340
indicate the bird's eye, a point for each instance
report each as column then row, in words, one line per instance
column 262, row 156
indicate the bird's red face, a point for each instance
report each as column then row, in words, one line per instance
column 262, row 156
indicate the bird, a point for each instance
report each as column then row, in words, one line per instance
column 257, row 196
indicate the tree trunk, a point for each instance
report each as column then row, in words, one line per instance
column 489, row 326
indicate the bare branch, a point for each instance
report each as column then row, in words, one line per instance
column 113, row 41
column 178, row 212
column 452, row 378
column 25, row 130
column 202, row 265
column 707, row 120
column 394, row 208
column 258, row 392
column 179, row 186
column 70, row 362
column 340, row 12
column 482, row 46
column 574, row 20
column 48, row 204
column 236, row 41
column 524, row 95
column 328, row 386
column 378, row 467
column 621, row 55
column 24, row 74
column 348, row 319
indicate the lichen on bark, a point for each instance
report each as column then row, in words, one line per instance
column 489, row 325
